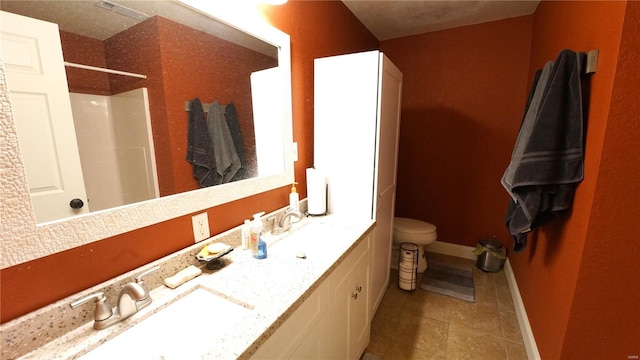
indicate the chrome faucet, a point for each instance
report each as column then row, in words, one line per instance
column 283, row 225
column 132, row 298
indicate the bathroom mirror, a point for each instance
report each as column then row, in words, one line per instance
column 24, row 239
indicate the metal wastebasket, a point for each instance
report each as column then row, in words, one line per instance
column 491, row 255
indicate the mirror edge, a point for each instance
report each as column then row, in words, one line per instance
column 23, row 240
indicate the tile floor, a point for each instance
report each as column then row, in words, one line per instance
column 426, row 325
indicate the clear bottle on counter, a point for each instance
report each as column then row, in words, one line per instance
column 256, row 232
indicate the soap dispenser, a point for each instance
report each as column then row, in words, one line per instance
column 294, row 198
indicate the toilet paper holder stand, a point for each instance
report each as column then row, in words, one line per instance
column 408, row 266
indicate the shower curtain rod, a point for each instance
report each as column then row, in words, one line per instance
column 94, row 68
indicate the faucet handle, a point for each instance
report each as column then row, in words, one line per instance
column 103, row 310
column 152, row 270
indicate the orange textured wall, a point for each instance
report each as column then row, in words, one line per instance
column 196, row 64
column 463, row 97
column 604, row 322
column 68, row 272
column 181, row 64
column 547, row 273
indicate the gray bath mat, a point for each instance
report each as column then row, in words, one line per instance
column 451, row 280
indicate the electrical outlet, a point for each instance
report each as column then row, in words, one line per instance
column 295, row 151
column 200, row 227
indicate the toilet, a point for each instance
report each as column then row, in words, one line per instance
column 412, row 231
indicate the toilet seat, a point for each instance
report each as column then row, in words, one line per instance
column 413, row 226
column 413, row 231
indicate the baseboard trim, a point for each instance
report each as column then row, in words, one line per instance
column 462, row 251
column 523, row 320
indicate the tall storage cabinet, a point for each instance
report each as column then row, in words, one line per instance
column 356, row 127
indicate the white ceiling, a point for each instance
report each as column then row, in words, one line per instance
column 390, row 19
column 83, row 17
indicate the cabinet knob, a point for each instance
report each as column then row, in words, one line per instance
column 354, row 296
column 359, row 289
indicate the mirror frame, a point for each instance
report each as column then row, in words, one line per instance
column 24, row 240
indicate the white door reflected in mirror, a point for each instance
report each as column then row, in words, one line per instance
column 38, row 88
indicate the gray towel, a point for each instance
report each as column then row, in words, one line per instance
column 199, row 150
column 226, row 159
column 547, row 163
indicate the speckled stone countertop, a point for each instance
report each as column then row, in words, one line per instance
column 272, row 289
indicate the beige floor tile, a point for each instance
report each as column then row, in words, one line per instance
column 500, row 280
column 487, row 320
column 397, row 352
column 486, row 296
column 484, row 318
column 510, row 327
column 423, row 333
column 516, row 351
column 378, row 345
column 464, row 343
column 505, row 301
column 482, row 279
column 428, row 304
column 425, row 325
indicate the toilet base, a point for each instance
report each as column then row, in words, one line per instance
column 422, row 259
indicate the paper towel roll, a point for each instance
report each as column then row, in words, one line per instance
column 316, row 192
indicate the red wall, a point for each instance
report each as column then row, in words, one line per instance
column 198, row 65
column 578, row 280
column 463, row 97
column 607, row 297
column 68, row 272
column 547, row 273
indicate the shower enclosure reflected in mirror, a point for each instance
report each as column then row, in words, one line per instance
column 227, row 62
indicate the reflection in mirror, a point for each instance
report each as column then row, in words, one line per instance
column 136, row 132
column 25, row 238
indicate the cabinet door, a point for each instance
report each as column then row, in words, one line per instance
column 316, row 345
column 387, row 159
column 294, row 332
column 359, row 322
column 339, row 321
column 349, row 325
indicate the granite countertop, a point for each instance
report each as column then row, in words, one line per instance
column 272, row 289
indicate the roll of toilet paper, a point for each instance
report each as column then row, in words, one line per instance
column 407, row 284
column 316, row 192
column 409, row 256
column 408, row 266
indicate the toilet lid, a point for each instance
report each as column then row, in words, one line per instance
column 412, row 226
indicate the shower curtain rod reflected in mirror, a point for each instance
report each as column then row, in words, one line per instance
column 94, row 68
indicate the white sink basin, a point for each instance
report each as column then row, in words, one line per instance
column 185, row 329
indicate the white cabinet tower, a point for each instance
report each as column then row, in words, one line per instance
column 356, row 126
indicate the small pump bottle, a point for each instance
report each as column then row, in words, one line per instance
column 262, row 250
column 294, row 198
column 256, row 231
column 246, row 234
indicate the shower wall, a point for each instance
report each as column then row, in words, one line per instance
column 117, row 157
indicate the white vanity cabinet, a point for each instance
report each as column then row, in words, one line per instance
column 357, row 100
column 349, row 325
column 333, row 322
